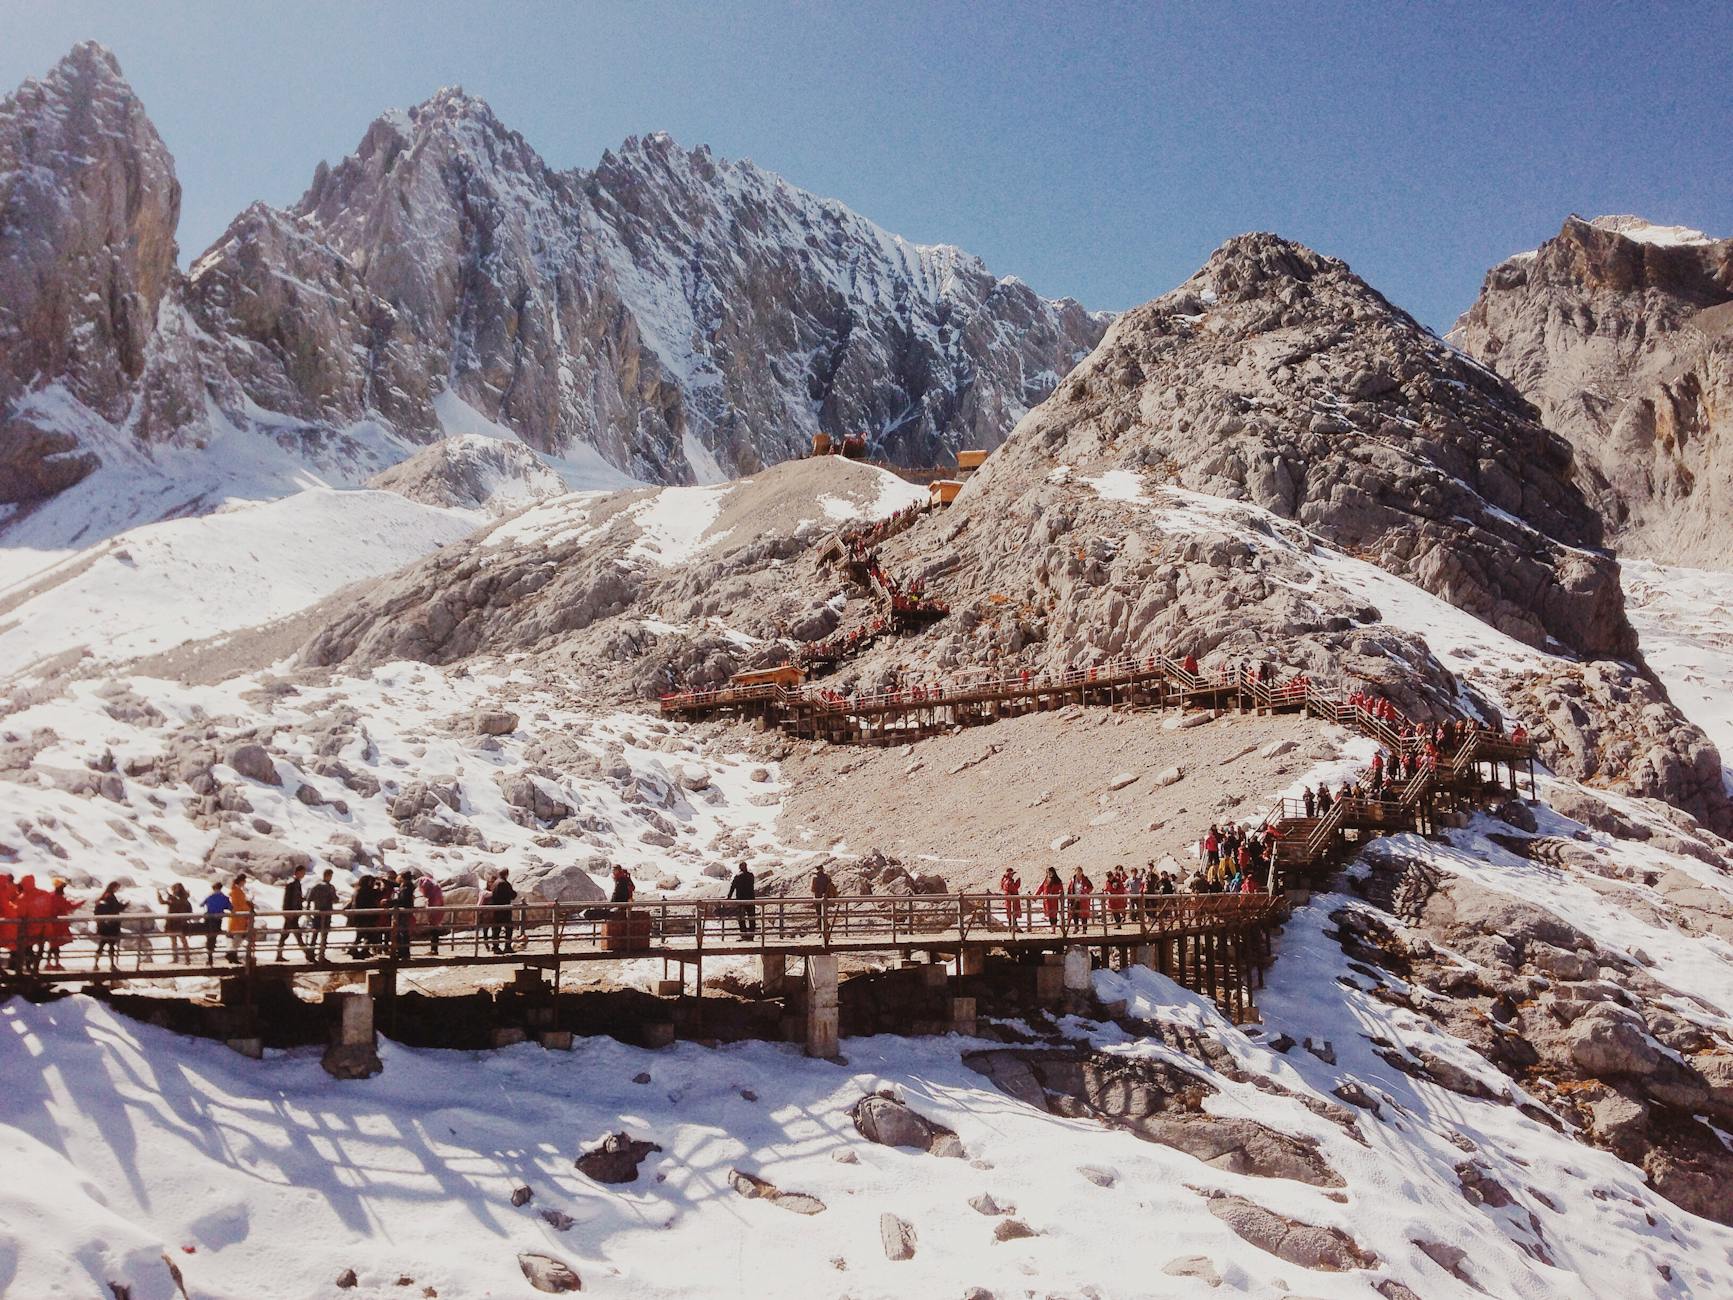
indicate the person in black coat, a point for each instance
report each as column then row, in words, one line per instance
column 743, row 889
column 106, row 908
column 364, row 916
column 500, row 897
column 402, row 915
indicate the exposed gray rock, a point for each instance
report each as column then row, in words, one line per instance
column 1157, row 1102
column 1304, row 1244
column 545, row 1273
column 254, row 762
column 494, row 722
column 615, row 1159
column 753, row 1187
column 897, row 1236
column 1202, row 1267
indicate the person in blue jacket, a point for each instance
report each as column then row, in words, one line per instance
column 214, row 905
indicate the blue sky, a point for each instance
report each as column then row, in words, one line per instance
column 1095, row 150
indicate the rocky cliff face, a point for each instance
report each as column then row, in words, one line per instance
column 1278, row 377
column 670, row 316
column 1621, row 333
column 88, row 207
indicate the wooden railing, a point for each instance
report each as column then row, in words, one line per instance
column 458, row 935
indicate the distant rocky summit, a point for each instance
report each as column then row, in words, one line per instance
column 667, row 317
column 1621, row 333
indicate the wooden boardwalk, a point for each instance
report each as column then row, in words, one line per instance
column 1219, row 941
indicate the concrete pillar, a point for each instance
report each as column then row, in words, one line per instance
column 1145, row 955
column 822, row 1017
column 971, row 961
column 1049, row 985
column 963, row 1016
column 1077, row 981
column 774, row 974
column 353, row 1053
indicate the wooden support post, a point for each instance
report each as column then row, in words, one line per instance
column 822, row 1016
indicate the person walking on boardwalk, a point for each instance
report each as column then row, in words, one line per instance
column 59, row 929
column 108, row 908
column 34, row 914
column 294, row 900
column 433, row 898
column 1080, row 888
column 1011, row 886
column 1051, row 889
column 624, row 889
column 499, row 900
column 322, row 902
column 402, row 901
column 240, row 917
column 215, row 904
column 1116, row 895
column 364, row 917
column 823, row 890
column 179, row 905
column 1311, row 802
column 741, row 891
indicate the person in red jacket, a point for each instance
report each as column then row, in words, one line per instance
column 60, row 930
column 1080, row 888
column 1051, row 890
column 8, row 912
column 35, row 909
column 1011, row 886
column 1116, row 890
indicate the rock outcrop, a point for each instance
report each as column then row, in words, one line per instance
column 88, row 208
column 1621, row 333
column 1277, row 376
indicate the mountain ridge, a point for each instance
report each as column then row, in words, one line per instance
column 680, row 317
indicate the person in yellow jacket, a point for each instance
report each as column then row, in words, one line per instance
column 240, row 916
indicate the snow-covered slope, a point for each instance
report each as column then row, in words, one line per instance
column 153, row 588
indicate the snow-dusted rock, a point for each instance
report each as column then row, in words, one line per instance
column 897, row 1236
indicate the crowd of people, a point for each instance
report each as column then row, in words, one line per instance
column 383, row 914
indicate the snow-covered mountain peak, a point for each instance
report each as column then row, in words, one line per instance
column 1644, row 231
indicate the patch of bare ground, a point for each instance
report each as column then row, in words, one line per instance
column 967, row 803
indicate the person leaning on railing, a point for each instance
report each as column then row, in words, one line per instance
column 179, row 905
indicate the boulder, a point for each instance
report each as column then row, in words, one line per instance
column 1202, row 1267
column 897, row 1236
column 615, row 1159
column 567, row 883
column 1306, row 1245
column 1608, row 1040
column 266, row 860
column 1012, row 1230
column 1168, row 776
column 493, row 722
column 545, row 1273
column 254, row 762
column 890, row 1123
column 754, row 1188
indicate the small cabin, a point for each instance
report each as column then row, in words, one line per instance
column 943, row 491
column 970, row 461
column 821, row 444
column 784, row 675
